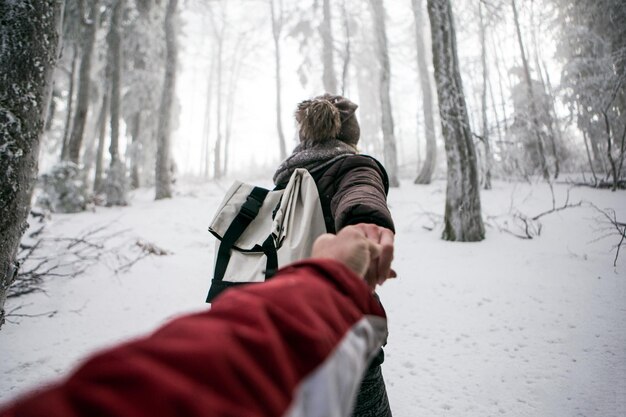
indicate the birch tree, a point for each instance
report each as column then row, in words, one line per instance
column 462, row 220
column 25, row 85
column 428, row 167
column 389, row 140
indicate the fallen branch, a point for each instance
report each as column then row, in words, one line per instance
column 12, row 314
column 524, row 226
column 615, row 228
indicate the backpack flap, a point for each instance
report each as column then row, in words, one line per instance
column 237, row 197
column 242, row 226
column 299, row 220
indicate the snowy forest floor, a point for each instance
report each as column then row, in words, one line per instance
column 507, row 326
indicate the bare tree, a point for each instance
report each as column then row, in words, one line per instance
column 531, row 97
column 462, row 221
column 328, row 77
column 70, row 104
column 25, row 85
column 428, row 167
column 485, row 123
column 551, row 116
column 219, row 34
column 277, row 26
column 162, row 174
column 116, row 177
column 205, row 157
column 84, row 83
column 389, row 140
column 102, row 127
column 347, row 56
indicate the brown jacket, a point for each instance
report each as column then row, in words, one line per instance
column 354, row 190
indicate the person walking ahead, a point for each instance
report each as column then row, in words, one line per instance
column 353, row 190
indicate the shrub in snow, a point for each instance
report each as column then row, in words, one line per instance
column 64, row 189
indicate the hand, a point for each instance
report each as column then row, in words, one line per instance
column 380, row 267
column 354, row 248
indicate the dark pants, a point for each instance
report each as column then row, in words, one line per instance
column 372, row 398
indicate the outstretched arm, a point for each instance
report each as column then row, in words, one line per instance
column 296, row 344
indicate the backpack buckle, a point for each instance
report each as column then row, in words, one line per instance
column 251, row 207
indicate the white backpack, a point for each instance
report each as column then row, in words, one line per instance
column 259, row 230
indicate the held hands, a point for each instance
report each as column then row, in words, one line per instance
column 366, row 249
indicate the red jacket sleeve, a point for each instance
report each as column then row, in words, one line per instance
column 295, row 344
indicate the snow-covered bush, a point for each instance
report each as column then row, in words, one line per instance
column 64, row 189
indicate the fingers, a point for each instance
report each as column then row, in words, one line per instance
column 386, row 255
column 380, row 266
column 367, row 249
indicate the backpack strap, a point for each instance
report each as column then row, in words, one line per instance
column 248, row 212
column 269, row 248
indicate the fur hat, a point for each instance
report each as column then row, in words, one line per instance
column 328, row 117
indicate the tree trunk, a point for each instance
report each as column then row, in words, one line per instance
column 462, row 221
column 483, row 100
column 531, row 98
column 235, row 74
column 219, row 35
column 56, row 94
column 428, row 168
column 347, row 54
column 495, row 110
column 277, row 25
column 551, row 112
column 102, row 128
column 500, row 86
column 163, row 173
column 84, row 84
column 89, row 148
column 555, row 128
column 116, row 175
column 217, row 154
column 25, row 83
column 135, row 154
column 328, row 77
column 206, row 129
column 593, row 171
column 389, row 140
column 369, row 106
column 70, row 106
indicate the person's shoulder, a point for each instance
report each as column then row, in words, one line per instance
column 359, row 160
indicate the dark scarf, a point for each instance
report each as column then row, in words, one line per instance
column 312, row 156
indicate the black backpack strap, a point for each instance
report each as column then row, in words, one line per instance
column 248, row 212
column 269, row 248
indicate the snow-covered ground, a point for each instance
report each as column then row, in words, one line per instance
column 506, row 326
